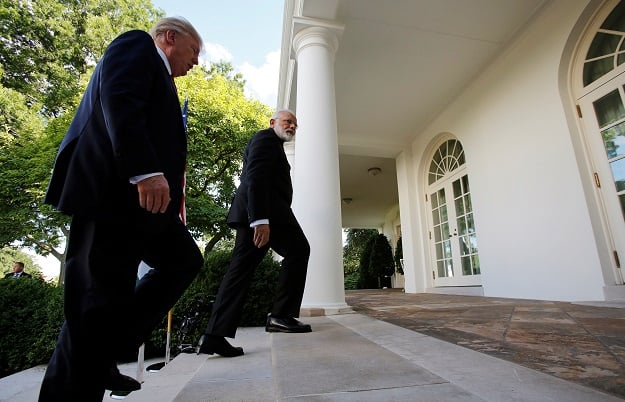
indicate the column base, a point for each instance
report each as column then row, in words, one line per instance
column 309, row 311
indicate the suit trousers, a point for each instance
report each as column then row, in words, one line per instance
column 108, row 312
column 289, row 242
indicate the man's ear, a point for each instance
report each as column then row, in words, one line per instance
column 170, row 36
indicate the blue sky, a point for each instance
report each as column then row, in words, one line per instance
column 246, row 33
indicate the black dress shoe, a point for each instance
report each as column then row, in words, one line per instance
column 116, row 381
column 288, row 324
column 211, row 344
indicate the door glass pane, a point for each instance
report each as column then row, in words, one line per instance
column 614, row 140
column 440, row 228
column 610, row 113
column 467, row 238
column 609, row 109
column 618, row 171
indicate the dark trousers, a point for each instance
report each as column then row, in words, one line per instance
column 107, row 312
column 289, row 242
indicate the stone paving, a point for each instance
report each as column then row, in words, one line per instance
column 577, row 342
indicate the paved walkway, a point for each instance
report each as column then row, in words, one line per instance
column 580, row 342
column 404, row 347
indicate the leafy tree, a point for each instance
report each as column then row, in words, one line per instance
column 355, row 241
column 366, row 279
column 221, row 121
column 48, row 44
column 42, row 86
column 376, row 262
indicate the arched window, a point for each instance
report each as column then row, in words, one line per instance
column 447, row 158
column 607, row 49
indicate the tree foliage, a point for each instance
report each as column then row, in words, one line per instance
column 220, row 122
column 376, row 262
column 48, row 44
column 355, row 242
column 48, row 51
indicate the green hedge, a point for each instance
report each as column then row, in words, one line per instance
column 32, row 313
column 30, row 320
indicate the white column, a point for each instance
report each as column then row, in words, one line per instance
column 316, row 189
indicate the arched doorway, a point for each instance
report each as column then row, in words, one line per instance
column 599, row 90
column 451, row 224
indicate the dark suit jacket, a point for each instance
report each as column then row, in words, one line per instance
column 265, row 190
column 23, row 275
column 128, row 123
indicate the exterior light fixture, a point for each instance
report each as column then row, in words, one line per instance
column 374, row 171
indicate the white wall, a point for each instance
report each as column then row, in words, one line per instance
column 534, row 232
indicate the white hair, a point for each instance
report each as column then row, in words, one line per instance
column 277, row 113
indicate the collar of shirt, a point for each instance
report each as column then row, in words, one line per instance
column 164, row 57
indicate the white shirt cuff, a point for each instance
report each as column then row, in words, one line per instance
column 137, row 179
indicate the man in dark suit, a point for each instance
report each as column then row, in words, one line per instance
column 18, row 271
column 119, row 174
column 262, row 216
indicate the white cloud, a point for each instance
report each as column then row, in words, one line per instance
column 215, row 52
column 262, row 81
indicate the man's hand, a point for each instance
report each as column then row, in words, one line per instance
column 154, row 194
column 261, row 235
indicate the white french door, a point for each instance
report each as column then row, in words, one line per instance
column 453, row 238
column 603, row 112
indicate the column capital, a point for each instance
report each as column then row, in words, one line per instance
column 312, row 32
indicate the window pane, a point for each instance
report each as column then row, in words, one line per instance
column 609, row 109
column 441, row 269
column 441, row 197
column 622, row 199
column 618, row 171
column 466, row 266
column 473, row 241
column 465, row 183
column 467, row 203
column 437, row 234
column 464, row 245
column 593, row 70
column 459, row 207
column 616, row 19
column 439, row 251
column 470, row 224
column 476, row 265
column 614, row 140
column 434, row 198
column 436, row 218
column 457, row 188
column 603, row 44
column 462, row 226
column 447, row 248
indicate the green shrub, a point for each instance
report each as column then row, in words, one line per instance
column 32, row 313
column 30, row 320
column 376, row 263
column 351, row 280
